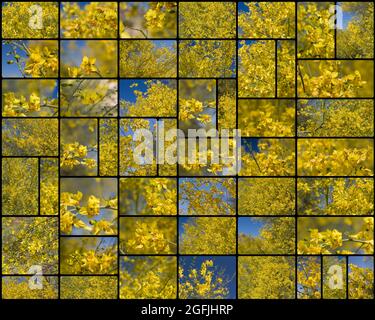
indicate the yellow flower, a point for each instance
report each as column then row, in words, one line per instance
column 34, row 102
column 90, row 261
column 90, row 97
column 335, row 238
column 102, row 226
column 71, row 199
column 88, row 65
column 73, row 72
column 93, row 206
column 34, row 63
column 112, row 203
column 204, row 118
column 66, row 222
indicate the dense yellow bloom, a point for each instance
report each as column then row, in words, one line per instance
column 276, row 236
column 148, row 277
column 24, row 20
column 208, row 236
column 207, row 19
column 357, row 40
column 30, row 137
column 266, row 118
column 267, row 20
column 315, row 34
column 261, row 196
column 335, row 118
column 108, row 157
column 15, row 287
column 361, row 282
column 158, row 100
column 88, row 287
column 93, row 20
column 206, row 58
column 309, row 277
column 28, row 242
column 330, row 157
column 256, row 69
column 146, row 59
column 19, row 186
column 266, row 277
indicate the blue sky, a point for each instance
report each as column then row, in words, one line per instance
column 73, row 57
column 363, row 262
column 250, row 226
column 250, row 143
column 127, row 93
column 347, row 16
column 222, row 263
column 10, row 70
column 80, row 3
column 247, row 42
column 181, row 222
column 141, row 5
column 164, row 43
column 242, row 7
column 56, row 90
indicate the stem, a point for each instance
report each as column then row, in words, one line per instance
column 139, row 30
column 300, row 74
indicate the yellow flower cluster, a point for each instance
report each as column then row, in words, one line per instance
column 75, row 154
column 74, row 215
column 42, row 62
column 93, row 262
column 204, row 283
column 331, row 241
